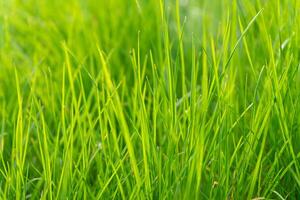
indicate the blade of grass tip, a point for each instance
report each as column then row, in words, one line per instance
column 143, row 118
column 138, row 6
column 247, row 49
column 63, row 129
column 63, row 92
column 170, row 77
column 18, row 138
column 205, row 86
column 215, row 67
column 44, row 151
column 27, row 136
column 70, row 74
column 154, row 114
column 239, row 40
column 180, row 38
column 192, row 118
column 120, row 115
column 161, row 6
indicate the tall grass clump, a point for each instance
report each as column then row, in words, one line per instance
column 149, row 99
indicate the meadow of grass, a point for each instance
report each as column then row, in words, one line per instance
column 149, row 99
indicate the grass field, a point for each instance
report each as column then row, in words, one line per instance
column 149, row 99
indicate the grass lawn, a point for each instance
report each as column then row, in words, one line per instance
column 150, row 99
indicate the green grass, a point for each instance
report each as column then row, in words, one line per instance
column 149, row 99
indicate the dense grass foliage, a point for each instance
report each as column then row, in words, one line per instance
column 149, row 99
